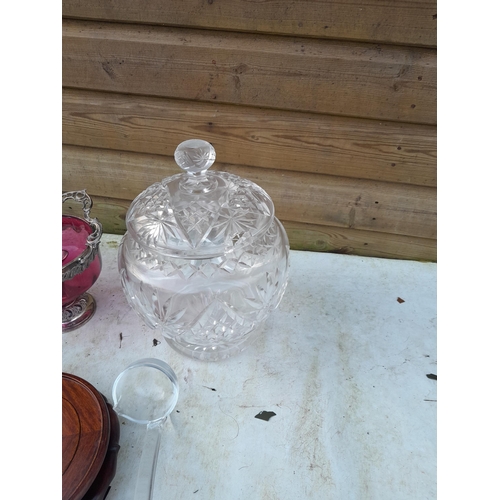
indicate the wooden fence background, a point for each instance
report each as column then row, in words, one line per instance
column 329, row 105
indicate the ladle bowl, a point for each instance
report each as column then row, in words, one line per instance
column 146, row 392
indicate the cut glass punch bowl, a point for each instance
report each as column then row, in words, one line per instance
column 204, row 258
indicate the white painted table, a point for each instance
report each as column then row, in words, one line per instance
column 343, row 364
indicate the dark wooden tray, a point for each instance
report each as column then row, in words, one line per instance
column 90, row 437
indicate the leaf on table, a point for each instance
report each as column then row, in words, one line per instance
column 265, row 415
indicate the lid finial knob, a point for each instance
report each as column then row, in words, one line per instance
column 195, row 156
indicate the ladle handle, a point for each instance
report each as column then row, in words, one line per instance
column 149, row 458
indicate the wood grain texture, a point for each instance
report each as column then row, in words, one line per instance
column 303, row 142
column 381, row 82
column 404, row 22
column 336, row 120
column 302, row 197
column 317, row 238
column 85, row 417
column 111, row 213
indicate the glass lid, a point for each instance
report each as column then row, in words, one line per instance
column 199, row 213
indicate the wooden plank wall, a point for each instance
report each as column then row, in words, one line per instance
column 329, row 105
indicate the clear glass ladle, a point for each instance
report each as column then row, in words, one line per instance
column 146, row 392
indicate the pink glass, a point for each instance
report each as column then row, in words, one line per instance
column 81, row 258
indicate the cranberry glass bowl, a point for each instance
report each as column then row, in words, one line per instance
column 81, row 263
